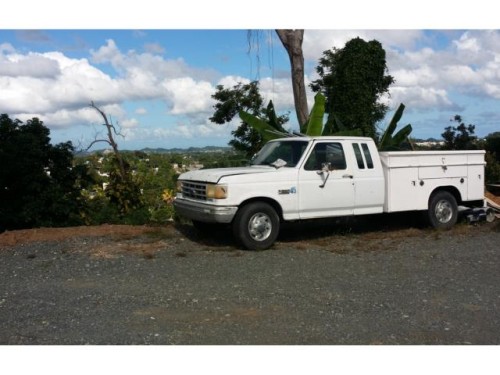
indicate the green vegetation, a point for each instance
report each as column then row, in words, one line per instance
column 394, row 142
column 245, row 97
column 42, row 185
column 352, row 82
column 315, row 127
column 39, row 186
column 153, row 174
column 353, row 79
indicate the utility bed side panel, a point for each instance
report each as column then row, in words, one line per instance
column 412, row 176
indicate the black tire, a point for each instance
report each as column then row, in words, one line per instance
column 256, row 226
column 443, row 210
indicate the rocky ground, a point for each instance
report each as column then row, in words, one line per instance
column 377, row 280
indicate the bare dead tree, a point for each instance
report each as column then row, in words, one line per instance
column 123, row 190
column 110, row 140
column 292, row 41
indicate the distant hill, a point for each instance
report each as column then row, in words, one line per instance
column 186, row 150
column 160, row 150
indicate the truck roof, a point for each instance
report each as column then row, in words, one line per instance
column 325, row 137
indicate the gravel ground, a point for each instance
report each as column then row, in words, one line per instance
column 317, row 285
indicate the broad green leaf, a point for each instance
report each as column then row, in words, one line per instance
column 265, row 130
column 273, row 119
column 401, row 135
column 387, row 136
column 315, row 124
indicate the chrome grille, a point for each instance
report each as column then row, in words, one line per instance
column 194, row 190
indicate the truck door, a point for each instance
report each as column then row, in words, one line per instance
column 326, row 184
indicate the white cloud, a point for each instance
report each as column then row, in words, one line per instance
column 107, row 54
column 317, row 41
column 231, row 81
column 426, row 70
column 58, row 88
column 183, row 130
column 189, row 96
column 64, row 118
column 130, row 123
column 154, row 48
column 7, row 47
column 31, row 65
column 73, row 84
column 421, row 98
column 51, row 84
column 467, row 43
column 279, row 91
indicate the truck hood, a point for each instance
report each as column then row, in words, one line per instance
column 214, row 175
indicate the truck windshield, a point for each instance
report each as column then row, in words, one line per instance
column 280, row 153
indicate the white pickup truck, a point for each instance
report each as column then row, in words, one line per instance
column 300, row 178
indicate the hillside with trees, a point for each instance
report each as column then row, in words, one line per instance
column 45, row 185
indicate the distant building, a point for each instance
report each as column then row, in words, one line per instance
column 430, row 144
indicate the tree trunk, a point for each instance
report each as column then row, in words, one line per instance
column 111, row 140
column 292, row 41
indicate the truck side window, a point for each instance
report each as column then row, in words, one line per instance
column 332, row 153
column 359, row 157
column 368, row 156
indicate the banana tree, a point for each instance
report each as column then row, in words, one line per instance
column 314, row 126
column 268, row 130
column 390, row 142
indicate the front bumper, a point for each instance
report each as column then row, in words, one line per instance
column 203, row 212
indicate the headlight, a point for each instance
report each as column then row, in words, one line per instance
column 179, row 186
column 217, row 191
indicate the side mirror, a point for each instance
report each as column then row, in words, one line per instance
column 325, row 169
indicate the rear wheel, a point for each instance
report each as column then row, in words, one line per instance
column 443, row 210
column 256, row 226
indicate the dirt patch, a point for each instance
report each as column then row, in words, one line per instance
column 25, row 236
column 494, row 198
column 157, row 235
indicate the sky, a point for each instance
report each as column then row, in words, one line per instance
column 155, row 79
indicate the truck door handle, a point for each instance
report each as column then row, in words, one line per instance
column 347, row 176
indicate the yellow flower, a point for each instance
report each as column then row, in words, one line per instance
column 168, row 196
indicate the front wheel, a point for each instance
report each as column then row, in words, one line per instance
column 256, row 226
column 443, row 210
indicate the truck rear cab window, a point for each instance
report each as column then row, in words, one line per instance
column 368, row 156
column 359, row 157
column 331, row 153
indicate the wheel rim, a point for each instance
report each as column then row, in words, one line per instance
column 260, row 226
column 443, row 211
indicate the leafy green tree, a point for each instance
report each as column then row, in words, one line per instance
column 244, row 97
column 492, row 168
column 492, row 144
column 492, row 147
column 39, row 185
column 156, row 176
column 460, row 137
column 123, row 190
column 353, row 79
